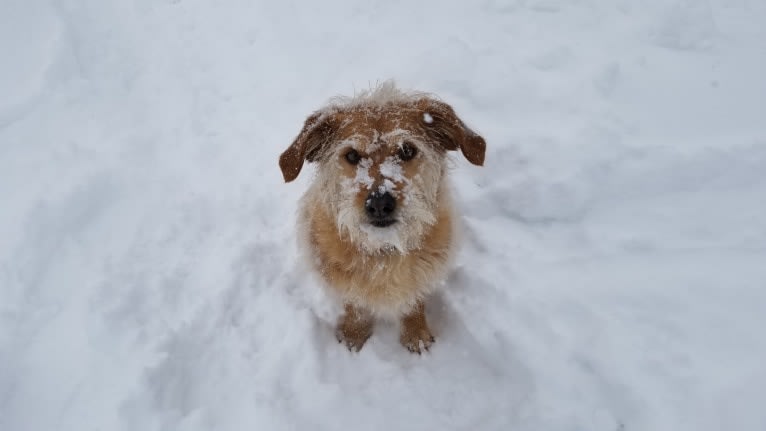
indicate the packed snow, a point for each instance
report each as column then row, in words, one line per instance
column 612, row 274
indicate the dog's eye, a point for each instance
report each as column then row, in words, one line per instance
column 352, row 156
column 407, row 151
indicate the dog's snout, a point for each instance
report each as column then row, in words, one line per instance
column 380, row 205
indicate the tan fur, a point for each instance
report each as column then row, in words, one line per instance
column 387, row 284
column 380, row 271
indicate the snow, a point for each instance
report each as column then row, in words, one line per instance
column 391, row 169
column 612, row 272
column 362, row 178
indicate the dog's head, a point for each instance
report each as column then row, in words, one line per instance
column 381, row 158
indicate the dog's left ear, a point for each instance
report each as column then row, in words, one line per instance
column 317, row 131
column 441, row 122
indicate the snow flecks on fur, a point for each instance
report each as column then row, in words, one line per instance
column 375, row 143
column 384, row 239
column 391, row 168
column 417, row 190
column 396, row 137
column 427, row 118
column 383, row 94
column 387, row 186
column 363, row 177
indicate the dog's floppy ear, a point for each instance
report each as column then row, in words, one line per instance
column 316, row 132
column 443, row 124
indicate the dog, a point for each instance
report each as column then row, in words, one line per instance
column 377, row 221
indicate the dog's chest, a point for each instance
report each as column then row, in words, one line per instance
column 385, row 282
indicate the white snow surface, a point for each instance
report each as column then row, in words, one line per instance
column 613, row 268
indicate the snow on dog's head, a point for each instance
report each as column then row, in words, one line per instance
column 381, row 163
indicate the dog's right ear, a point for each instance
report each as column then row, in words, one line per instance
column 317, row 131
column 448, row 129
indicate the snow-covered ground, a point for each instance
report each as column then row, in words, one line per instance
column 613, row 270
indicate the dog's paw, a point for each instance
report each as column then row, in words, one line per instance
column 418, row 341
column 354, row 328
column 353, row 338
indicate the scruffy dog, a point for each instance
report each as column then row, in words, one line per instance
column 377, row 220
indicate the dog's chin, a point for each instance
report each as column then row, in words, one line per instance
column 380, row 236
column 382, row 223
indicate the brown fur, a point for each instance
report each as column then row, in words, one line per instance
column 415, row 335
column 371, row 275
column 354, row 327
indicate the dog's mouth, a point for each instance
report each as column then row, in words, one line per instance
column 383, row 223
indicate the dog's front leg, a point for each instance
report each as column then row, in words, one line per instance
column 415, row 335
column 354, row 327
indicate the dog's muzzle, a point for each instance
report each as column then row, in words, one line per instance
column 380, row 209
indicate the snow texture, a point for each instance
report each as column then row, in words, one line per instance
column 612, row 273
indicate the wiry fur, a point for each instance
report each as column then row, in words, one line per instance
column 385, row 93
column 380, row 271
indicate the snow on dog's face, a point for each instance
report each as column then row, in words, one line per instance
column 381, row 182
column 381, row 159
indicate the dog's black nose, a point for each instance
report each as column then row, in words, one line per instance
column 380, row 206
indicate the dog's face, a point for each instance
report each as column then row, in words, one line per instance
column 380, row 178
column 381, row 167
